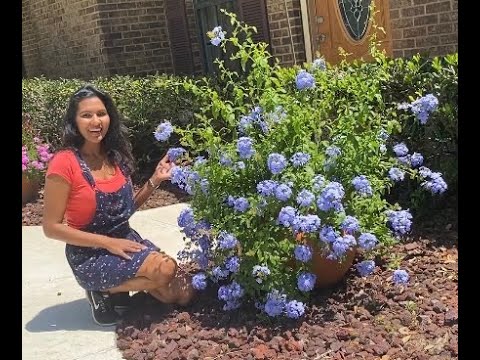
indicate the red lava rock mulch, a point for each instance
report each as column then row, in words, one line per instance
column 360, row 318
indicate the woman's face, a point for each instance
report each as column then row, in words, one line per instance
column 92, row 119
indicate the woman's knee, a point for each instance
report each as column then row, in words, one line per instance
column 159, row 267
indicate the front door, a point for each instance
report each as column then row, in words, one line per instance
column 345, row 24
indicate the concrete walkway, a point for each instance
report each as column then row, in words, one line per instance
column 56, row 318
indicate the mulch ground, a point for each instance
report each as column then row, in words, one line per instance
column 359, row 318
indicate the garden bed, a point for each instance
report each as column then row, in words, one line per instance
column 360, row 318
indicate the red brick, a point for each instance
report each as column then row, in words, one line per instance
column 426, row 20
column 413, row 11
column 414, row 32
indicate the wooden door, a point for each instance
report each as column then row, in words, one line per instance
column 345, row 24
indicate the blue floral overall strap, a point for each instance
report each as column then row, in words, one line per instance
column 113, row 209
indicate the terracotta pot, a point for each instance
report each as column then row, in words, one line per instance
column 328, row 272
column 29, row 189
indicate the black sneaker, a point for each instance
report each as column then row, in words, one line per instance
column 102, row 309
column 120, row 302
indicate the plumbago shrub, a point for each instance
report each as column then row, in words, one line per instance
column 283, row 153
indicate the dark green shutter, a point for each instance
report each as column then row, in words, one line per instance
column 254, row 12
column 180, row 45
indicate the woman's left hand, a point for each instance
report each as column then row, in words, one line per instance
column 163, row 171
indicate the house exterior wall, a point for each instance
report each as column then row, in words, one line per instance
column 91, row 38
column 54, row 34
column 424, row 26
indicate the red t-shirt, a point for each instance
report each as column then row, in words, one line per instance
column 81, row 203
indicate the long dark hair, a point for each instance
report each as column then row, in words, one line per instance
column 115, row 144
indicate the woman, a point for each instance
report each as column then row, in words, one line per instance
column 88, row 182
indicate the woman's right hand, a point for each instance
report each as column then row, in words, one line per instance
column 121, row 247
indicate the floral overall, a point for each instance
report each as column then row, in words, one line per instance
column 97, row 268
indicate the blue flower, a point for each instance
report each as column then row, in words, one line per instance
column 400, row 149
column 241, row 204
column 286, row 216
column 245, row 147
column 318, row 182
column 396, row 174
column 299, row 159
column 275, row 303
column 163, row 131
column 306, row 223
column 304, row 80
column 328, row 234
column 333, row 151
column 362, row 185
column 276, row 163
column 305, row 198
column 416, row 159
column 294, row 309
column 423, row 107
column 174, row 153
column 400, row 221
column 306, row 281
column 436, row 184
column 225, row 160
column 400, row 277
column 219, row 273
column 266, row 187
column 199, row 281
column 424, row 172
column 350, row 224
column 179, row 174
column 246, row 123
column 303, row 253
column 283, row 192
column 226, row 240
column 367, row 241
column 232, row 264
column 366, row 267
column 260, row 272
column 217, row 35
column 319, row 64
column 230, row 292
column 331, row 197
column 185, row 218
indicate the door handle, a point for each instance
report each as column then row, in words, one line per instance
column 321, row 37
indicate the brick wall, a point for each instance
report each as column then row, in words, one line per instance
column 424, row 26
column 54, row 34
column 280, row 40
column 90, row 38
column 134, row 36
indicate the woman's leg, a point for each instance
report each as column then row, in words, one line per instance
column 160, row 276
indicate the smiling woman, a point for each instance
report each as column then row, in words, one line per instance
column 89, row 184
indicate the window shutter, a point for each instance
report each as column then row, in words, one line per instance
column 254, row 12
column 180, row 45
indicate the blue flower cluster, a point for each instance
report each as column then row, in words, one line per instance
column 350, row 225
column 231, row 294
column 226, row 240
column 199, row 281
column 245, row 147
column 319, row 64
column 306, row 281
column 303, row 253
column 331, row 197
column 163, row 131
column 434, row 181
column 260, row 272
column 362, row 185
column 276, row 163
column 174, row 153
column 300, row 159
column 396, row 174
column 400, row 276
column 256, row 117
column 365, row 267
column 400, row 221
column 422, row 107
column 217, row 36
column 367, row 241
column 305, row 198
column 304, row 80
